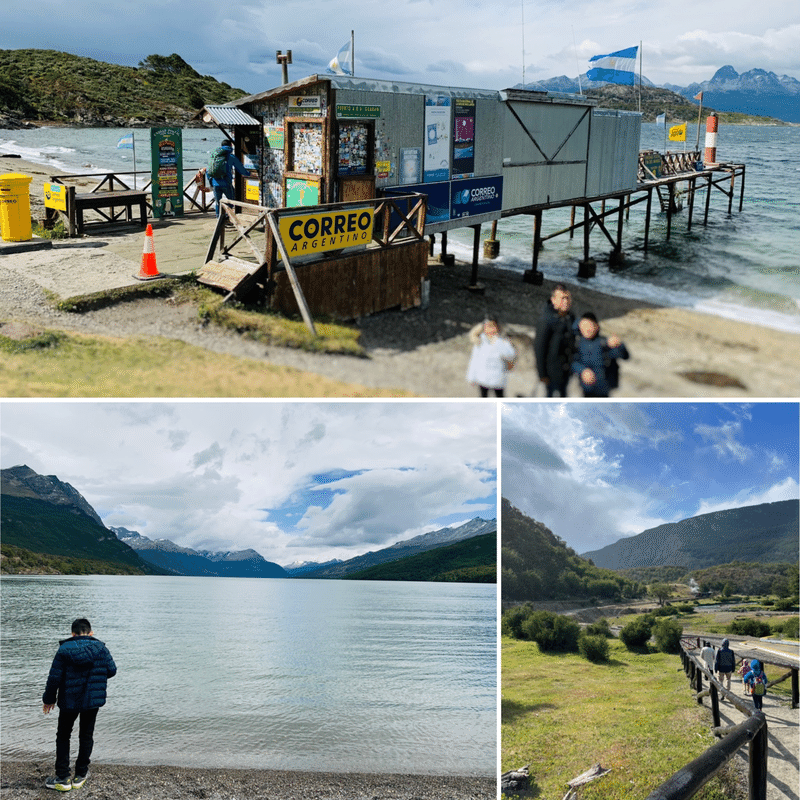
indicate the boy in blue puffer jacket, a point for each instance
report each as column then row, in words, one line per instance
column 77, row 683
column 595, row 361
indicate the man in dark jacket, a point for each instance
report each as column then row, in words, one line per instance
column 725, row 663
column 77, row 683
column 555, row 342
column 222, row 185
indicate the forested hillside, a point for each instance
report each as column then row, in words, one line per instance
column 538, row 565
column 51, row 86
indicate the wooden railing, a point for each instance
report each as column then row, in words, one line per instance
column 686, row 782
column 194, row 197
column 672, row 164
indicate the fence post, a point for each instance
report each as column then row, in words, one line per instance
column 715, row 705
column 757, row 779
column 699, row 686
column 794, row 689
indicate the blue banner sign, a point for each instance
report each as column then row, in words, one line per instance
column 472, row 197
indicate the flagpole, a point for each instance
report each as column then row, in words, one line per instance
column 352, row 53
column 133, row 140
column 699, row 115
column 640, row 76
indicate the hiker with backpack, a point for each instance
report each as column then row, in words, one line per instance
column 757, row 680
column 725, row 663
column 220, row 171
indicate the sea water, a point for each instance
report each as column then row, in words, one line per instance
column 341, row 676
column 744, row 266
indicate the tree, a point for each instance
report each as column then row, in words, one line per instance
column 661, row 591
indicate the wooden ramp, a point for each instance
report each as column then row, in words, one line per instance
column 229, row 274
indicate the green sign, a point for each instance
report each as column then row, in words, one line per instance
column 358, row 112
column 166, row 153
column 301, row 193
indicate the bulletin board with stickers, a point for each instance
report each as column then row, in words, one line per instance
column 305, row 153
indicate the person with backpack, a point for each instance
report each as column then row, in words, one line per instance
column 77, row 683
column 220, row 171
column 725, row 663
column 757, row 680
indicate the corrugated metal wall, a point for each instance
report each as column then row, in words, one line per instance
column 545, row 149
column 613, row 152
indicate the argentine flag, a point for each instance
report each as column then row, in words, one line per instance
column 126, row 142
column 616, row 67
column 342, row 62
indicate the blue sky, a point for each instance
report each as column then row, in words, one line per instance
column 446, row 42
column 294, row 481
column 594, row 473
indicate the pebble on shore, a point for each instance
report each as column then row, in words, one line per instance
column 24, row 779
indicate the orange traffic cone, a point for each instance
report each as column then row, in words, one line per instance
column 148, row 270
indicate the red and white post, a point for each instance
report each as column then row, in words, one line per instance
column 712, row 124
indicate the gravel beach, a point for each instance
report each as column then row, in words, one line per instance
column 675, row 352
column 21, row 779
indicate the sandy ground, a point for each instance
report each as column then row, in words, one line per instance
column 674, row 352
column 22, row 779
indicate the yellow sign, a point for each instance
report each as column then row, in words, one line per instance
column 307, row 234
column 55, row 196
column 251, row 191
column 677, row 133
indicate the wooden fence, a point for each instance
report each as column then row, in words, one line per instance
column 753, row 731
column 111, row 187
column 380, row 275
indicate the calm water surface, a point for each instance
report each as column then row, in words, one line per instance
column 272, row 674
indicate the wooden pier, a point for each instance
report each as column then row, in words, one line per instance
column 677, row 183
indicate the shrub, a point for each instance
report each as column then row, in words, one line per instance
column 595, row 648
column 599, row 628
column 790, row 628
column 749, row 627
column 636, row 633
column 685, row 608
column 513, row 619
column 667, row 634
column 785, row 604
column 552, row 631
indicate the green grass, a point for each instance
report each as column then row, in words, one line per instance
column 562, row 714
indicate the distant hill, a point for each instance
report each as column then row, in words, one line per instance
column 52, row 86
column 538, row 565
column 470, row 561
column 184, row 561
column 48, row 526
column 410, row 547
column 764, row 533
column 747, row 106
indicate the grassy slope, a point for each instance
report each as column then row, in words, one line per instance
column 471, row 561
column 73, row 365
column 561, row 714
column 49, row 85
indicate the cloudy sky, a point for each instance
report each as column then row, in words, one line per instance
column 446, row 42
column 594, row 473
column 294, row 481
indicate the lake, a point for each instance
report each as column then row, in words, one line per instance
column 341, row 676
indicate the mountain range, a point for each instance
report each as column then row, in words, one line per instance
column 764, row 533
column 49, row 526
column 756, row 92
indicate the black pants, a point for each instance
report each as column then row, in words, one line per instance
column 485, row 391
column 66, row 721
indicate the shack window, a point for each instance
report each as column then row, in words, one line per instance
column 355, row 148
column 305, row 145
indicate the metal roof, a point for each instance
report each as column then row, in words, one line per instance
column 227, row 115
column 366, row 85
